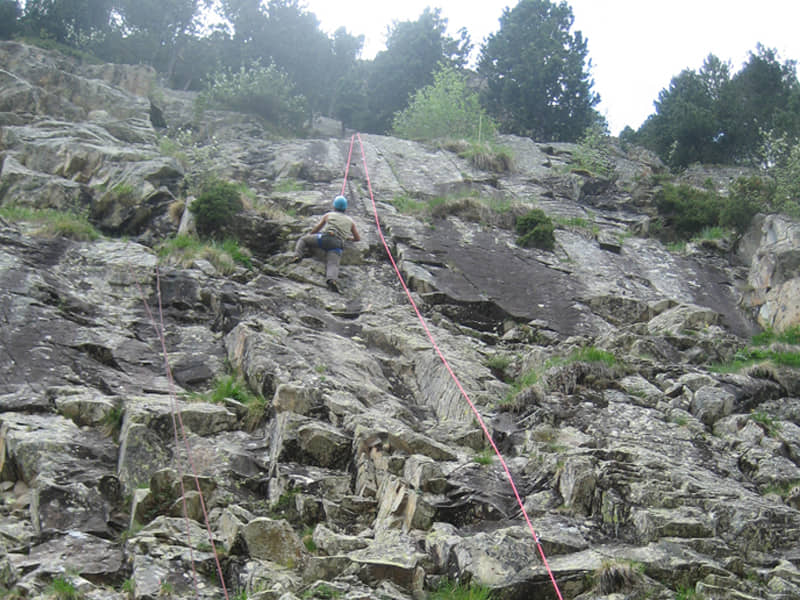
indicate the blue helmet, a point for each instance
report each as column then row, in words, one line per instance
column 340, row 203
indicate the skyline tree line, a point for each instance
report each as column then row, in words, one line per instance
column 532, row 77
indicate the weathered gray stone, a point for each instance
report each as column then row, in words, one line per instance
column 273, row 540
column 710, row 404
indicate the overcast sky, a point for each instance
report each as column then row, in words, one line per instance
column 636, row 46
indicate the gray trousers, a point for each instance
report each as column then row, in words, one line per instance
column 308, row 243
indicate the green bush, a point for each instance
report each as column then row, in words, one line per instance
column 535, row 230
column 787, row 186
column 445, row 109
column 748, row 196
column 686, row 210
column 264, row 91
column 485, row 457
column 593, row 153
column 593, row 355
column 216, row 206
column 768, row 336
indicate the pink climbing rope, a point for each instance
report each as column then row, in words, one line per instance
column 443, row 359
column 177, row 424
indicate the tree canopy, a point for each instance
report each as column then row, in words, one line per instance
column 537, row 73
column 414, row 50
column 533, row 72
column 712, row 117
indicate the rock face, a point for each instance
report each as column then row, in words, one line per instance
column 366, row 474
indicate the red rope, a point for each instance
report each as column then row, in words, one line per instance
column 177, row 423
column 444, row 360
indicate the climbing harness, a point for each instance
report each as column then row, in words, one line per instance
column 329, row 243
column 442, row 357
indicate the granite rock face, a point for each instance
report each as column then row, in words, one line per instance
column 361, row 470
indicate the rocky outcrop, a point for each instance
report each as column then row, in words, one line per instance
column 364, row 473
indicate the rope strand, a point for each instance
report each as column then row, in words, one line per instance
column 177, row 424
column 447, row 365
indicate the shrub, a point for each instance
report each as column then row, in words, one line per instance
column 216, row 206
column 617, row 576
column 498, row 364
column 407, row 205
column 265, row 91
column 485, row 457
column 535, row 230
column 231, row 387
column 593, row 153
column 445, row 109
column 768, row 336
column 686, row 210
column 748, row 196
column 762, row 351
column 787, row 187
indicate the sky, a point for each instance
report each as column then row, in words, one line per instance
column 635, row 46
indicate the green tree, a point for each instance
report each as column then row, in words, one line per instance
column 349, row 102
column 9, row 15
column 157, row 32
column 686, row 127
column 445, row 108
column 344, row 72
column 414, row 51
column 763, row 97
column 246, row 22
column 685, row 210
column 76, row 23
column 712, row 117
column 787, row 183
column 270, row 31
column 538, row 73
column 309, row 63
column 747, row 197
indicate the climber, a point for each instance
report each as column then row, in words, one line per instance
column 329, row 234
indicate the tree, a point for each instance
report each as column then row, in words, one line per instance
column 75, row 23
column 349, row 101
column 309, row 63
column 9, row 13
column 763, row 97
column 157, row 32
column 349, row 90
column 686, row 127
column 711, row 117
column 538, row 74
column 270, row 31
column 414, row 51
column 445, row 108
